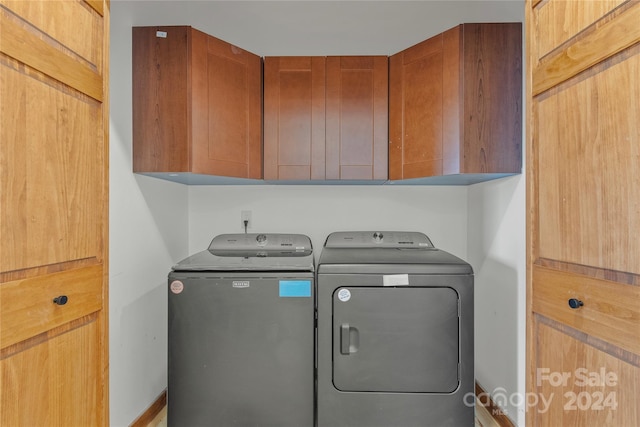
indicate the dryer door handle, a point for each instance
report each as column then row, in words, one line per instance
column 349, row 339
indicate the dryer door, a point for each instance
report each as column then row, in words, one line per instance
column 395, row 339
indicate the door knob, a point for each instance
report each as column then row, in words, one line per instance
column 61, row 300
column 575, row 303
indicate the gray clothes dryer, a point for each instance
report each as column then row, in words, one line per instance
column 241, row 333
column 395, row 333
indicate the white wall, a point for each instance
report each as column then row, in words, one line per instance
column 155, row 223
column 439, row 212
column 496, row 248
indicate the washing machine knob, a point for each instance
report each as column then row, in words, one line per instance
column 261, row 239
column 377, row 237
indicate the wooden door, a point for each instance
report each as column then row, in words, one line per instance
column 294, row 118
column 583, row 216
column 53, row 213
column 357, row 117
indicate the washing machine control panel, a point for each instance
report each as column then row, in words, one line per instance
column 260, row 245
column 378, row 239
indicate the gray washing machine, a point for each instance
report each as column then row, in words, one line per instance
column 241, row 333
column 395, row 333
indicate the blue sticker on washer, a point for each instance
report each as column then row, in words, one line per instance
column 295, row 288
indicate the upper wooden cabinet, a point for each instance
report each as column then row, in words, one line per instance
column 325, row 118
column 197, row 105
column 455, row 105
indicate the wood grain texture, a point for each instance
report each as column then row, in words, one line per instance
column 356, row 117
column 294, row 115
column 455, row 103
column 492, row 81
column 589, row 206
column 609, row 400
column 583, row 208
column 54, row 216
column 415, row 110
column 594, row 45
column 55, row 188
column 161, row 121
column 197, row 104
column 27, row 308
column 56, row 383
column 611, row 310
column 561, row 21
column 48, row 59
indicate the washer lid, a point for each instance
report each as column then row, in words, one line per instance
column 253, row 252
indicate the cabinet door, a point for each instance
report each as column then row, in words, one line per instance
column 54, row 213
column 294, row 118
column 583, row 167
column 424, row 105
column 455, row 104
column 197, row 104
column 357, row 117
column 226, row 109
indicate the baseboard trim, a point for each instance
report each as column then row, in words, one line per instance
column 494, row 410
column 152, row 411
column 483, row 398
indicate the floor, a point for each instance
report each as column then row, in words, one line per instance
column 483, row 418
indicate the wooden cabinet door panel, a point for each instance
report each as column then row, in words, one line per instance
column 197, row 104
column 492, row 112
column 415, row 105
column 161, row 108
column 227, row 128
column 294, row 118
column 356, row 118
column 455, row 104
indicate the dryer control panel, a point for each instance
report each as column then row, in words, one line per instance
column 379, row 239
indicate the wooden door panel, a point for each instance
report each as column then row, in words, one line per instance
column 27, row 308
column 294, row 118
column 161, row 67
column 584, row 209
column 611, row 311
column 226, row 110
column 54, row 186
column 589, row 212
column 83, row 40
column 415, row 101
column 584, row 385
column 356, row 117
column 560, row 21
column 54, row 213
column 492, row 106
column 57, row 382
